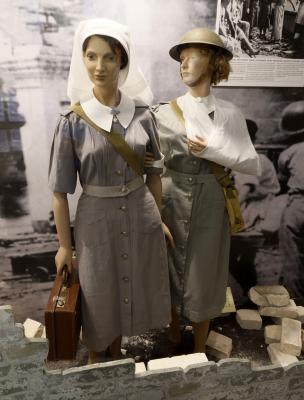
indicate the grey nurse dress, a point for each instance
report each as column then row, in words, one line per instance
column 120, row 243
column 194, row 209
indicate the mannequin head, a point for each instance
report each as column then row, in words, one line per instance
column 103, row 58
column 202, row 62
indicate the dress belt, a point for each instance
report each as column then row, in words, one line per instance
column 189, row 178
column 114, row 191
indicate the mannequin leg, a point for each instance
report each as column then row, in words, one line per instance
column 114, row 350
column 94, row 357
column 115, row 347
column 174, row 330
column 200, row 330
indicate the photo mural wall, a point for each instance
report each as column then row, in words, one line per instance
column 267, row 82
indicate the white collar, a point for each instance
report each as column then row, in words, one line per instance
column 103, row 115
column 208, row 101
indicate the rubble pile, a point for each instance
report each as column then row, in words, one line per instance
column 285, row 339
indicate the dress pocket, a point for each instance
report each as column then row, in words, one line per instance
column 91, row 228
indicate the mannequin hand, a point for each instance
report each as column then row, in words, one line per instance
column 197, row 145
column 149, row 159
column 62, row 258
column 168, row 235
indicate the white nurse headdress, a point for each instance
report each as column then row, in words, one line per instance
column 131, row 79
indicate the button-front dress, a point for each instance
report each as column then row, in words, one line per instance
column 120, row 243
column 194, row 209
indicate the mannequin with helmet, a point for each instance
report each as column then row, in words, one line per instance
column 119, row 238
column 198, row 133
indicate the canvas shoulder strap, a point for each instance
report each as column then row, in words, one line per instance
column 116, row 140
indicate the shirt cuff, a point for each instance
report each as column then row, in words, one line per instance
column 157, row 163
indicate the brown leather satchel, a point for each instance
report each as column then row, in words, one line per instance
column 63, row 317
column 224, row 179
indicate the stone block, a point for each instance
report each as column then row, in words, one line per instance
column 291, row 341
column 300, row 317
column 218, row 345
column 104, row 370
column 302, row 337
column 183, row 361
column 272, row 295
column 140, row 368
column 272, row 334
column 289, row 311
column 278, row 357
column 32, row 328
column 249, row 319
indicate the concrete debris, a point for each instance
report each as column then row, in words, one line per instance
column 32, row 328
column 272, row 295
column 291, row 340
column 278, row 357
column 249, row 319
column 183, row 361
column 218, row 345
column 289, row 311
column 272, row 334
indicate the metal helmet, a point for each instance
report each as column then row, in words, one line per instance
column 292, row 122
column 199, row 36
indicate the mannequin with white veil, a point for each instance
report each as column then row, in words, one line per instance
column 119, row 235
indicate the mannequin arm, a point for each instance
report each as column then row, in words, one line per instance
column 62, row 221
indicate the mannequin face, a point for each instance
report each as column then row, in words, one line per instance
column 102, row 64
column 194, row 66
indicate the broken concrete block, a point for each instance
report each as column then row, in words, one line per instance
column 291, row 338
column 300, row 310
column 183, row 361
column 289, row 311
column 229, row 304
column 32, row 328
column 273, row 295
column 278, row 357
column 249, row 319
column 140, row 368
column 272, row 334
column 218, row 345
column 302, row 339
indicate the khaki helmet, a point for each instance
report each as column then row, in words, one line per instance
column 292, row 122
column 200, row 36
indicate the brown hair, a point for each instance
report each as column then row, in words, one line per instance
column 114, row 45
column 219, row 61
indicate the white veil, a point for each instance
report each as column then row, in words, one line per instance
column 131, row 79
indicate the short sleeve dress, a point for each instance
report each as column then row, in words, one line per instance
column 119, row 241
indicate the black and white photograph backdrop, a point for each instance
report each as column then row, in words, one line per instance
column 266, row 38
column 36, row 43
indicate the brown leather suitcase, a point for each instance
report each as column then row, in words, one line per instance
column 62, row 318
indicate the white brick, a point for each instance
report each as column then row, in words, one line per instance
column 277, row 300
column 300, row 310
column 183, row 361
column 249, row 319
column 32, row 328
column 278, row 357
column 219, row 345
column 272, row 334
column 289, row 311
column 291, row 341
column 273, row 295
column 140, row 368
